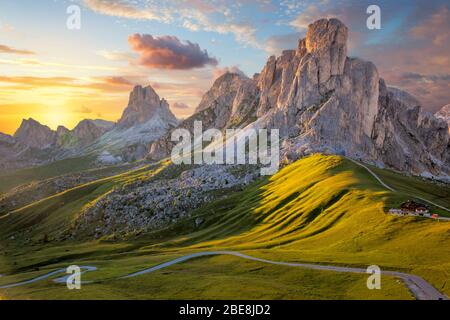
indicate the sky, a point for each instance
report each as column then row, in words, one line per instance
column 59, row 75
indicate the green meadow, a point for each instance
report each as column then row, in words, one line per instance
column 320, row 209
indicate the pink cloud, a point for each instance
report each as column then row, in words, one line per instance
column 7, row 49
column 168, row 52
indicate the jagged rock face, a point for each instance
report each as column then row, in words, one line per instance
column 317, row 91
column 323, row 101
column 407, row 139
column 404, row 97
column 87, row 131
column 230, row 103
column 232, row 98
column 143, row 104
column 146, row 119
column 334, row 103
column 444, row 114
column 35, row 135
column 6, row 138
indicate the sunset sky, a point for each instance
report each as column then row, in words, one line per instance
column 60, row 76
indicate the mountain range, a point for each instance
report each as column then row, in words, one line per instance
column 320, row 99
column 324, row 101
column 305, row 232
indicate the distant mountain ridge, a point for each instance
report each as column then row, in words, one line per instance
column 145, row 119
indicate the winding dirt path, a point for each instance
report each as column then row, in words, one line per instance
column 393, row 190
column 420, row 288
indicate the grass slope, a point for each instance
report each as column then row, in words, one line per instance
column 13, row 179
column 321, row 209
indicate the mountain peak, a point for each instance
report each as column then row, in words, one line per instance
column 222, row 91
column 143, row 105
column 33, row 134
column 324, row 34
column 444, row 114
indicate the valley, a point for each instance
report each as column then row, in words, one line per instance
column 110, row 198
column 279, row 218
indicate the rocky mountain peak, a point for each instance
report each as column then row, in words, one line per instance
column 444, row 114
column 406, row 98
column 6, row 138
column 143, row 104
column 326, row 34
column 61, row 130
column 89, row 130
column 222, row 91
column 323, row 101
column 33, row 134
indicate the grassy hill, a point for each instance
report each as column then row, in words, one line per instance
column 321, row 209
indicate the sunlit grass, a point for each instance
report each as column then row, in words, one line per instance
column 321, row 209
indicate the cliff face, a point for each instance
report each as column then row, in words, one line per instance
column 230, row 103
column 144, row 104
column 444, row 114
column 34, row 135
column 340, row 104
column 322, row 100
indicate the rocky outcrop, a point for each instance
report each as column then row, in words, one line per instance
column 87, row 131
column 151, row 204
column 444, row 114
column 146, row 119
column 230, row 103
column 408, row 139
column 404, row 97
column 323, row 101
column 6, row 138
column 34, row 135
column 340, row 105
column 144, row 104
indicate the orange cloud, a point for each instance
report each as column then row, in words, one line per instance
column 6, row 49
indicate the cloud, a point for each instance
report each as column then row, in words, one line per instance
column 84, row 110
column 194, row 15
column 180, row 106
column 168, row 52
column 436, row 28
column 244, row 32
column 125, row 9
column 411, row 49
column 276, row 44
column 6, row 49
column 115, row 55
column 425, row 78
column 104, row 84
column 217, row 72
column 419, row 63
column 117, row 80
column 309, row 15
